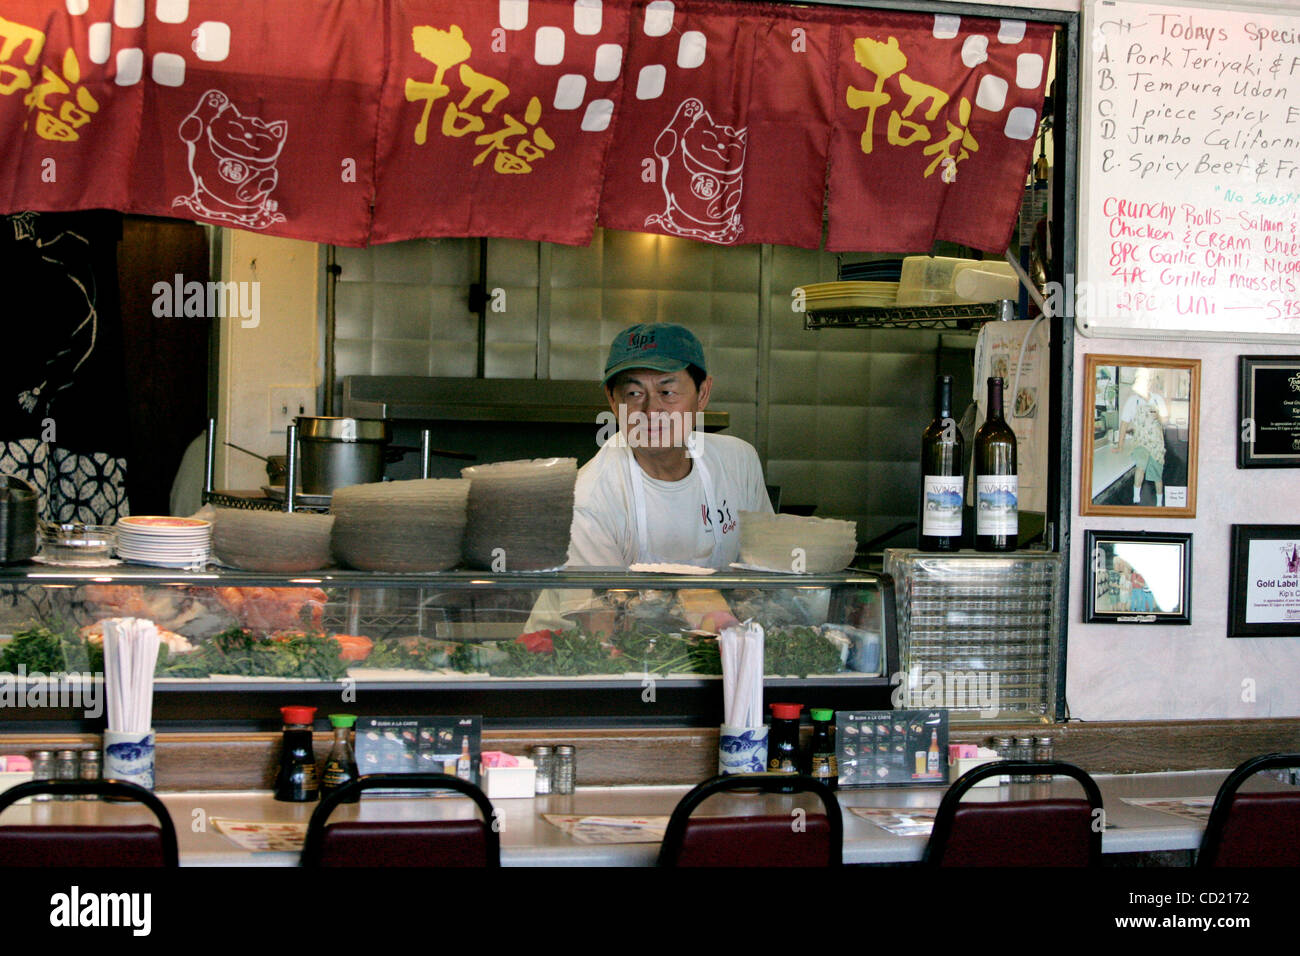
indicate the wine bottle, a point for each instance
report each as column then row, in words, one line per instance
column 941, row 475
column 997, row 490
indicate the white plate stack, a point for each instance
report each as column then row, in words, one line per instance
column 399, row 526
column 794, row 543
column 164, row 542
column 519, row 514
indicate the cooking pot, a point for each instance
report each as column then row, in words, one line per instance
column 17, row 520
column 337, row 452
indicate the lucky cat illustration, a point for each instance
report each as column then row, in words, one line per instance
column 701, row 168
column 232, row 159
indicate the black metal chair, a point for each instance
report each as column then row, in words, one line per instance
column 405, row 843
column 138, row 845
column 760, row 840
column 1253, row 829
column 1054, row 831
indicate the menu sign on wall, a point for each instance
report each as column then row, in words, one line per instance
column 1191, row 174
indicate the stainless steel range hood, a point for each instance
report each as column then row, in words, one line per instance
column 415, row 398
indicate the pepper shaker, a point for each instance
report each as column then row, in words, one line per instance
column 66, row 768
column 565, row 769
column 90, row 769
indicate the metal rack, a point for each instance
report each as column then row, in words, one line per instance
column 904, row 317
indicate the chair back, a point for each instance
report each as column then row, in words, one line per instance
column 137, row 845
column 403, row 843
column 1055, row 831
column 1253, row 829
column 758, row 840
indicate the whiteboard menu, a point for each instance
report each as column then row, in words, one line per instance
column 1189, row 172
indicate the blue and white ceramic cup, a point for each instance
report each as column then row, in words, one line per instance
column 742, row 749
column 129, row 757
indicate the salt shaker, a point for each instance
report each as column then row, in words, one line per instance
column 565, row 771
column 542, row 759
column 1005, row 746
column 42, row 769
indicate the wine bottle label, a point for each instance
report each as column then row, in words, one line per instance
column 943, row 499
column 996, row 509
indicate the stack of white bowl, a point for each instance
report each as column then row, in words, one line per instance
column 271, row 540
column 769, row 541
column 519, row 514
column 400, row 525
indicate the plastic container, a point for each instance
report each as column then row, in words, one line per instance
column 932, row 280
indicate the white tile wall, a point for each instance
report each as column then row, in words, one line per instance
column 845, row 407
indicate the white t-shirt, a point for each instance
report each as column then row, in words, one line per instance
column 682, row 518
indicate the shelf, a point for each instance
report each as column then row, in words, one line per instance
column 903, row 317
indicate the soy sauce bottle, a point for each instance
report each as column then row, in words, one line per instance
column 341, row 764
column 296, row 781
column 783, row 739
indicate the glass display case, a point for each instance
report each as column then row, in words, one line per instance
column 581, row 647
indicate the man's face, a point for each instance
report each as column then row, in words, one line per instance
column 660, row 406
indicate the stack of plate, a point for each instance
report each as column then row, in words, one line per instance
column 164, row 542
column 769, row 541
column 271, row 540
column 850, row 295
column 400, row 525
column 519, row 514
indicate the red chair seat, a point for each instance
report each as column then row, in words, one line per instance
column 1261, row 829
column 81, row 846
column 1020, row 833
column 755, row 841
column 405, row 843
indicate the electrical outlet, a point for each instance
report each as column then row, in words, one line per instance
column 287, row 403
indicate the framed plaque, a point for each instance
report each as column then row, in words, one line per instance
column 1139, row 436
column 1138, row 577
column 1264, row 581
column 1268, row 409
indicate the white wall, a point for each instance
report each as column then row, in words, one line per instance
column 1136, row 672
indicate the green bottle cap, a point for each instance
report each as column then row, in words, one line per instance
column 820, row 714
column 342, row 720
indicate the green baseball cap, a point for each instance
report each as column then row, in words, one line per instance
column 657, row 345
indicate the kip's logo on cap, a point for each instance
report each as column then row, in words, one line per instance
column 656, row 345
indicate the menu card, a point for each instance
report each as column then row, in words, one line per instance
column 419, row 745
column 891, row 747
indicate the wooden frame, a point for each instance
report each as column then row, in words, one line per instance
column 1268, row 411
column 1136, row 577
column 1129, row 402
column 1264, row 581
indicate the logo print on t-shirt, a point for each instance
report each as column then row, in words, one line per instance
column 725, row 517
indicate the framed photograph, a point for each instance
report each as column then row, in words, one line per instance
column 1264, row 581
column 1140, row 436
column 1136, row 577
column 1268, row 410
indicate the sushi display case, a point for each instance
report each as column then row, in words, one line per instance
column 567, row 646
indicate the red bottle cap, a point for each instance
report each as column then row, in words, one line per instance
column 298, row 715
column 786, row 711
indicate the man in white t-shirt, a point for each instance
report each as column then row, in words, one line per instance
column 660, row 490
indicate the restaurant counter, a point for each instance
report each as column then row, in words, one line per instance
column 527, row 839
